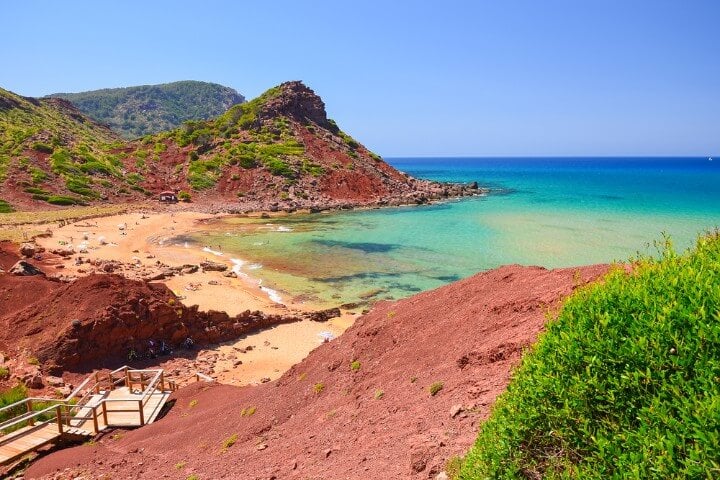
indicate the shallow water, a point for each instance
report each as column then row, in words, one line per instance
column 550, row 212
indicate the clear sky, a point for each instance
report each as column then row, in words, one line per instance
column 550, row 77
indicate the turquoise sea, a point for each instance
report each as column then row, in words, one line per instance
column 540, row 211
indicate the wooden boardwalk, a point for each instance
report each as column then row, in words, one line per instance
column 123, row 398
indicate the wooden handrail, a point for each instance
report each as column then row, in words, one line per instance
column 25, row 417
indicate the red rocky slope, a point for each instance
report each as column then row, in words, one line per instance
column 323, row 419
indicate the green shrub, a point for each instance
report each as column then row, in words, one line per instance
column 5, row 207
column 42, row 147
column 37, row 175
column 318, row 387
column 248, row 412
column 435, row 388
column 184, row 196
column 230, row 441
column 624, row 384
column 355, row 365
column 64, row 200
column 4, row 373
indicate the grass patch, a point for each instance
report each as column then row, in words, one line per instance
column 435, row 388
column 5, row 207
column 193, row 404
column 355, row 365
column 248, row 412
column 624, row 383
column 230, row 441
column 318, row 387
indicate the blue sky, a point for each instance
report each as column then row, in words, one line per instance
column 625, row 77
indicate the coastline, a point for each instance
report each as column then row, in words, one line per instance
column 134, row 244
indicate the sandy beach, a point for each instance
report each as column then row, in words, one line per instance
column 140, row 241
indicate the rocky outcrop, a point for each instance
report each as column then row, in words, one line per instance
column 209, row 266
column 25, row 269
column 298, row 102
column 98, row 319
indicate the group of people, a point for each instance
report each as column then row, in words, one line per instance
column 156, row 348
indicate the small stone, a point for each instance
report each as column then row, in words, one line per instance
column 264, row 380
column 327, row 452
column 455, row 409
column 261, row 446
column 54, row 381
column 442, row 476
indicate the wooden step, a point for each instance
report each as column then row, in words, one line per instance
column 77, row 431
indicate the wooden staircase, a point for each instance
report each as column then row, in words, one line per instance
column 123, row 398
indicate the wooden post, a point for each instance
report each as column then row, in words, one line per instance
column 162, row 380
column 142, row 414
column 112, row 383
column 58, row 416
column 127, row 378
column 31, row 420
column 95, row 422
column 104, row 407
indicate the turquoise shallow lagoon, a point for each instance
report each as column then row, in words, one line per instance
column 540, row 211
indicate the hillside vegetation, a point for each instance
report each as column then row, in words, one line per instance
column 50, row 152
column 138, row 111
column 624, row 384
column 278, row 151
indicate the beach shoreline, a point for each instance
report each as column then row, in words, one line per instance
column 136, row 245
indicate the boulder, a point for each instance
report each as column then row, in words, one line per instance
column 28, row 250
column 188, row 269
column 25, row 269
column 33, row 380
column 209, row 266
column 323, row 315
column 54, row 381
column 63, row 252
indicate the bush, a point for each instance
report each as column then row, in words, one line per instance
column 4, row 373
column 355, row 365
column 624, row 384
column 64, row 200
column 435, row 388
column 5, row 207
column 318, row 387
column 42, row 147
column 184, row 196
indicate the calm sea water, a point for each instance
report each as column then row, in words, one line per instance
column 540, row 211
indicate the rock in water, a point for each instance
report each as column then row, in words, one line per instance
column 25, row 269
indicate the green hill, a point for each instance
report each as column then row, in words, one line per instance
column 624, row 384
column 278, row 151
column 50, row 152
column 137, row 111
